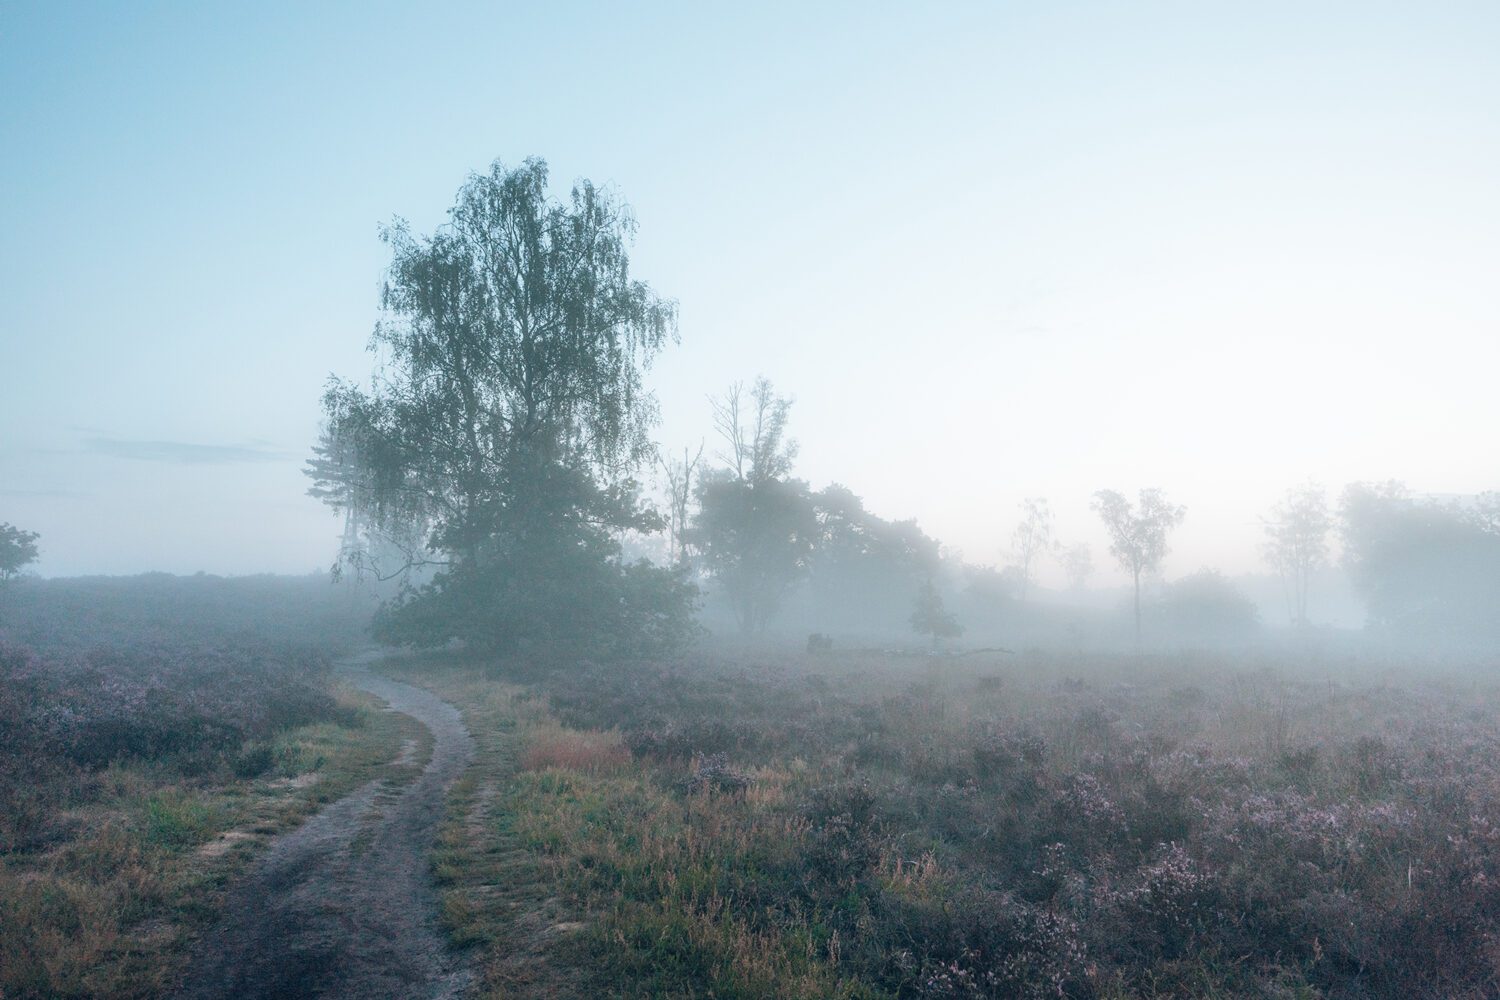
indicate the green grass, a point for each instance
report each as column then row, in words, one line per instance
column 176, row 819
column 572, row 881
column 112, row 907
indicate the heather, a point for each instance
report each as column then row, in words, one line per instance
column 864, row 824
column 155, row 732
column 190, row 676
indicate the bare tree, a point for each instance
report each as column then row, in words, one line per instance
column 1297, row 543
column 1138, row 535
column 1032, row 538
column 679, row 493
column 753, row 426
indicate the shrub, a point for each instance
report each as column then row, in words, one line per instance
column 713, row 774
column 844, row 845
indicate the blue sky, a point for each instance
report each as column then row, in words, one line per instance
column 994, row 251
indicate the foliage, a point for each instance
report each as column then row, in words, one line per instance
column 1206, row 607
column 1138, row 535
column 501, row 433
column 1427, row 570
column 17, row 550
column 1297, row 542
column 1078, row 565
column 1032, row 538
column 930, row 618
column 755, row 526
column 863, row 568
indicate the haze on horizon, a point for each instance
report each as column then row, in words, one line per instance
column 993, row 252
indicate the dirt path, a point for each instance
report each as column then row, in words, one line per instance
column 344, row 906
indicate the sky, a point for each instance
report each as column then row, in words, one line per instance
column 993, row 251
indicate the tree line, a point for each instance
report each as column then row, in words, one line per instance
column 494, row 464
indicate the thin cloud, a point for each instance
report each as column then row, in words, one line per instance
column 181, row 452
column 44, row 494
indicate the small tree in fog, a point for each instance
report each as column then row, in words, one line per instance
column 1078, row 565
column 1032, row 539
column 679, row 492
column 1297, row 543
column 930, row 618
column 17, row 550
column 1138, row 535
column 755, row 526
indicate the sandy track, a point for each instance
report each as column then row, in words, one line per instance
column 344, row 906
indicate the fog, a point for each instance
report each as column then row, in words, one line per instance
column 941, row 501
column 1008, row 255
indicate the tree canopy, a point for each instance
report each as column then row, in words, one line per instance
column 1138, row 534
column 930, row 618
column 1428, row 570
column 863, row 568
column 17, row 550
column 755, row 526
column 1297, row 543
column 499, row 438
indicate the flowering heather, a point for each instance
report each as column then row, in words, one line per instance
column 1080, row 829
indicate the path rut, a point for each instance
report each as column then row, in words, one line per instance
column 345, row 905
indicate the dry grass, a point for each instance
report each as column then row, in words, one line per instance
column 110, row 908
column 550, row 744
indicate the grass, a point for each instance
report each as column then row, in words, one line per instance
column 871, row 826
column 560, row 862
column 111, row 906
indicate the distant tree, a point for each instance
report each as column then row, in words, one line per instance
column 679, row 494
column 753, row 426
column 1297, row 543
column 381, row 551
column 17, row 550
column 1427, row 570
column 930, row 618
column 755, row 539
column 989, row 588
column 504, row 427
column 1078, row 564
column 1032, row 539
column 1487, row 512
column 863, row 568
column 1206, row 606
column 1138, row 535
column 755, row 526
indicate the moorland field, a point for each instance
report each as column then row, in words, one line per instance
column 749, row 820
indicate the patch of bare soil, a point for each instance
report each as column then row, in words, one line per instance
column 345, row 906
